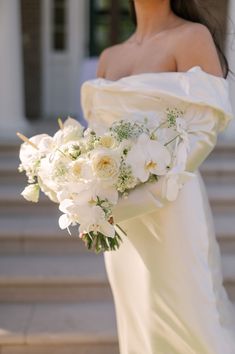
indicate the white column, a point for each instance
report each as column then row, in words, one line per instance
column 11, row 83
column 78, row 30
column 229, row 134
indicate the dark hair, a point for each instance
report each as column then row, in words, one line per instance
column 196, row 11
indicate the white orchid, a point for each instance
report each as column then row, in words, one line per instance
column 102, row 190
column 148, row 156
column 182, row 127
column 91, row 218
column 70, row 216
column 87, row 192
column 173, row 182
column 180, row 155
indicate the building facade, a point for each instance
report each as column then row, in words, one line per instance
column 49, row 47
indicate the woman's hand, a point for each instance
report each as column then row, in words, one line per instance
column 141, row 200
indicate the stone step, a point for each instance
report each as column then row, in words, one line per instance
column 223, row 149
column 9, row 172
column 228, row 270
column 40, row 234
column 220, row 170
column 23, row 233
column 221, row 197
column 225, row 232
column 31, row 278
column 68, row 278
column 58, row 328
column 12, row 202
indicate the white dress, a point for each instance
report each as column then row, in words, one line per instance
column 166, row 276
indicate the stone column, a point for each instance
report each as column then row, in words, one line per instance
column 11, row 82
column 229, row 134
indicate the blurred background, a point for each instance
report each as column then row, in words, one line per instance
column 54, row 294
column 49, row 47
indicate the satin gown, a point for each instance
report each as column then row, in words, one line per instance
column 166, row 277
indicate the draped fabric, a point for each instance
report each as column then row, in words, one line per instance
column 166, row 277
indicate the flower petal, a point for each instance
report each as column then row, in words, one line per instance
column 64, row 221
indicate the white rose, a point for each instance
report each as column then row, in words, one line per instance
column 72, row 130
column 81, row 169
column 31, row 193
column 105, row 163
column 51, row 194
column 108, row 141
column 28, row 153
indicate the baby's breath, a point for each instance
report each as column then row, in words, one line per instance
column 74, row 151
column 124, row 130
column 125, row 180
column 60, row 171
column 172, row 114
column 90, row 141
column 106, row 205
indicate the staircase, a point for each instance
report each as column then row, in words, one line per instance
column 54, row 294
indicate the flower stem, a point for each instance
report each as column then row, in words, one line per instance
column 171, row 140
column 121, row 229
column 26, row 140
column 61, row 125
column 158, row 127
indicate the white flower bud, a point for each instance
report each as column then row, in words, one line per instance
column 31, row 193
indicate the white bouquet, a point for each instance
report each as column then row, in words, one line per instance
column 86, row 173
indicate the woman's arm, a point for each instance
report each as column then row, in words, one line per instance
column 195, row 47
column 102, row 63
column 201, row 51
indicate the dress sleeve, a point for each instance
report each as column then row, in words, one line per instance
column 204, row 124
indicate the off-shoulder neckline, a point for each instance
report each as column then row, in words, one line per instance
column 161, row 73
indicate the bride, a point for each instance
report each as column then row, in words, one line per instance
column 166, row 276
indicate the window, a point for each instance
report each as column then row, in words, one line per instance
column 59, row 25
column 110, row 23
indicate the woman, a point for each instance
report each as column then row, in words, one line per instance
column 166, row 276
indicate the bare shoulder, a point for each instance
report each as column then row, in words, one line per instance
column 196, row 47
column 106, row 57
